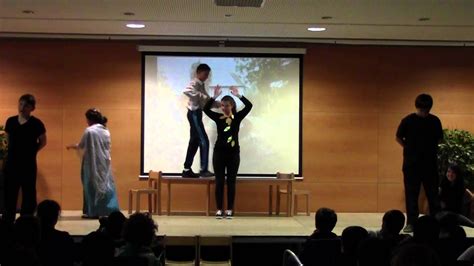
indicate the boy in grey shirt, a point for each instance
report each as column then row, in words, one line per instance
column 198, row 97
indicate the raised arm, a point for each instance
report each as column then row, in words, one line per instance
column 248, row 105
column 212, row 102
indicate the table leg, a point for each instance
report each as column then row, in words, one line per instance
column 289, row 196
column 130, row 202
column 208, row 198
column 169, row 199
column 270, row 200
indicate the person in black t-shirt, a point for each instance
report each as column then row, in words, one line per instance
column 227, row 149
column 419, row 134
column 26, row 136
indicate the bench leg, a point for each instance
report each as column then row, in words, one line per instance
column 270, row 200
column 208, row 198
column 307, row 205
column 295, row 205
column 158, row 197
column 130, row 201
column 289, row 199
column 278, row 199
column 169, row 199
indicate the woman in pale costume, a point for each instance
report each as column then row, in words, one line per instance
column 100, row 198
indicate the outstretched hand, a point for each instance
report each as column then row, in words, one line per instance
column 234, row 90
column 217, row 91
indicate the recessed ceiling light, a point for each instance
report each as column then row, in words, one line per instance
column 326, row 17
column 135, row 25
column 129, row 13
column 316, row 29
column 424, row 19
column 29, row 12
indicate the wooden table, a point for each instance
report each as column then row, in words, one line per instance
column 169, row 180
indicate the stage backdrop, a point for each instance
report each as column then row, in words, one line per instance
column 353, row 100
column 269, row 136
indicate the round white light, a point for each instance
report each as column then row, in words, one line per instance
column 135, row 26
column 316, row 29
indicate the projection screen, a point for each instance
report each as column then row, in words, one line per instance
column 270, row 136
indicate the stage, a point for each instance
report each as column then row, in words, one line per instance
column 240, row 225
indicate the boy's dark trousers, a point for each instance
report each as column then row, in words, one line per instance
column 414, row 177
column 198, row 139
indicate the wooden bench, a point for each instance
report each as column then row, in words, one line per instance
column 270, row 181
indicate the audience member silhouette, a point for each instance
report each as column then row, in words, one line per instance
column 373, row 251
column 314, row 249
column 24, row 251
column 415, row 255
column 97, row 249
column 113, row 228
column 56, row 247
column 351, row 238
column 139, row 232
column 426, row 230
column 325, row 221
column 392, row 224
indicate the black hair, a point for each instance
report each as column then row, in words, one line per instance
column 231, row 100
column 28, row 99
column 48, row 212
column 458, row 182
column 96, row 117
column 456, row 169
column 393, row 222
column 351, row 237
column 325, row 220
column 426, row 230
column 202, row 67
column 115, row 223
column 424, row 102
column 139, row 230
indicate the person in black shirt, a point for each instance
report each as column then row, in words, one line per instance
column 227, row 149
column 26, row 136
column 419, row 134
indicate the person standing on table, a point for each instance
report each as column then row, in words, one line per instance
column 419, row 134
column 26, row 137
column 100, row 198
column 226, row 150
column 198, row 96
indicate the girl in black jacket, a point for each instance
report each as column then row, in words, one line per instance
column 227, row 149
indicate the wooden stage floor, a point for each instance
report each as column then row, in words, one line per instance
column 192, row 225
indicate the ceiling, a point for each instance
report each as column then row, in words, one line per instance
column 449, row 20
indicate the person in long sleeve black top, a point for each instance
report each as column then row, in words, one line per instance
column 451, row 193
column 227, row 149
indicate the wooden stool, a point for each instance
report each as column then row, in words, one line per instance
column 148, row 191
column 294, row 200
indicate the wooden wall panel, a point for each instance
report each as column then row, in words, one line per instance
column 340, row 147
column 353, row 99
